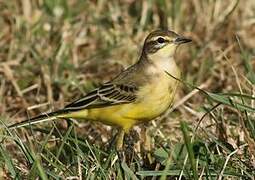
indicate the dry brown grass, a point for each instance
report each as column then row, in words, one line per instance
column 52, row 52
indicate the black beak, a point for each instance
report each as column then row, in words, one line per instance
column 181, row 40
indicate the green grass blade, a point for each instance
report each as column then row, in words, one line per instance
column 128, row 172
column 188, row 144
column 9, row 163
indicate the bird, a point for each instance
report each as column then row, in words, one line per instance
column 139, row 94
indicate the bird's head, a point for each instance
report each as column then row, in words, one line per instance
column 162, row 43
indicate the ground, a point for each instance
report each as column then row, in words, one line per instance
column 54, row 51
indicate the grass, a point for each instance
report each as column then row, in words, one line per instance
column 52, row 52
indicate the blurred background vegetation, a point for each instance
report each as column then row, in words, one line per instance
column 54, row 51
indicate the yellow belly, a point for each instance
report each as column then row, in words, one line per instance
column 151, row 102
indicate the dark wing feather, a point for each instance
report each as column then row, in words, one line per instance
column 107, row 95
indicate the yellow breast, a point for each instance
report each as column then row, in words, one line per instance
column 152, row 100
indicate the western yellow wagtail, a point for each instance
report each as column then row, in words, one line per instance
column 138, row 94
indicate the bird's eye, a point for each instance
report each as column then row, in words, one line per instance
column 160, row 40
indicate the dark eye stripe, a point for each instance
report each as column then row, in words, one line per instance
column 152, row 45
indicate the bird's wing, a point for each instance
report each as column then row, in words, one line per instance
column 106, row 95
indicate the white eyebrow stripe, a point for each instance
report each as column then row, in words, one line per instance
column 156, row 37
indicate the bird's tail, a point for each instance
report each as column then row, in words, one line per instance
column 38, row 119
